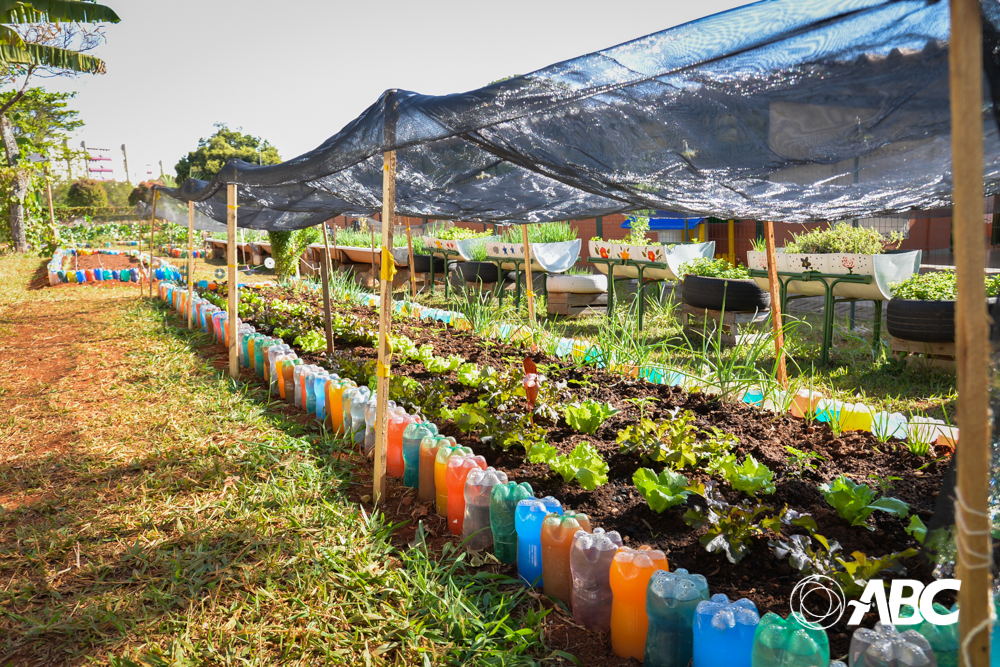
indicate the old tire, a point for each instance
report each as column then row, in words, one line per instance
column 474, row 272
column 422, row 264
column 724, row 293
column 921, row 321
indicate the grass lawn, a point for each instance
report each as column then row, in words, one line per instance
column 153, row 511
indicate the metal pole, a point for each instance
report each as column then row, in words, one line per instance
column 972, row 349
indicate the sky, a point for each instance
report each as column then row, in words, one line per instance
column 295, row 73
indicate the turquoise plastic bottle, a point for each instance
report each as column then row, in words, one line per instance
column 503, row 503
column 778, row 642
column 528, row 518
column 995, row 648
column 723, row 632
column 944, row 639
column 671, row 600
column 414, row 433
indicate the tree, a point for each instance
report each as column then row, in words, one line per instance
column 87, row 192
column 213, row 152
column 40, row 36
column 43, row 118
column 142, row 192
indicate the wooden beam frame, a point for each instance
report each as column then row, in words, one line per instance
column 325, row 271
column 972, row 334
column 234, row 289
column 772, row 283
column 190, row 264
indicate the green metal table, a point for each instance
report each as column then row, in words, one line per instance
column 830, row 302
column 447, row 255
column 518, row 270
column 640, row 267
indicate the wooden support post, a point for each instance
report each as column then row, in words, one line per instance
column 190, row 260
column 152, row 224
column 384, row 324
column 772, row 283
column 409, row 248
column 529, row 288
column 48, row 194
column 326, row 269
column 234, row 290
column 972, row 335
column 732, row 241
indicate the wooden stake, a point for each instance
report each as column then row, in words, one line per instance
column 772, row 283
column 190, row 258
column 529, row 288
column 152, row 224
column 384, row 324
column 326, row 268
column 409, row 248
column 972, row 335
column 234, row 327
column 48, row 195
column 732, row 241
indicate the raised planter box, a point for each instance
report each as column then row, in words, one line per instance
column 884, row 269
column 672, row 256
column 549, row 257
column 400, row 256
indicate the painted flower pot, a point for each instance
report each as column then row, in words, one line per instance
column 549, row 257
column 885, row 269
column 671, row 255
column 463, row 247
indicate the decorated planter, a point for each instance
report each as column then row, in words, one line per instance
column 368, row 256
column 884, row 269
column 549, row 257
column 673, row 256
column 463, row 247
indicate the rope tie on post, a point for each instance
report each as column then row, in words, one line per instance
column 982, row 561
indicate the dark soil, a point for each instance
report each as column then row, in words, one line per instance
column 109, row 262
column 618, row 506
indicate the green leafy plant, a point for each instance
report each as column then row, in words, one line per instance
column 584, row 463
column 855, row 502
column 800, row 461
column 852, row 575
column 661, row 491
column 639, row 228
column 731, row 528
column 916, row 529
column 758, row 244
column 750, row 476
column 457, row 233
column 842, row 238
column 715, row 268
column 313, row 341
column 936, row 286
column 470, row 375
column 546, row 232
column 588, row 415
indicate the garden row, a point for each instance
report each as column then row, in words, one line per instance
column 618, row 449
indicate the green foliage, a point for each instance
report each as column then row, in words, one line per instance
column 731, row 527
column 715, row 268
column 584, row 463
column 842, row 238
column 750, row 476
column 213, row 152
column 673, row 440
column 477, row 251
column 142, row 192
column 86, row 192
column 457, row 233
column 587, row 416
column 470, row 375
column 44, row 118
column 661, row 491
column 639, row 229
column 546, row 232
column 856, row 502
column 916, row 529
column 313, row 341
column 852, row 575
column 800, row 461
column 936, row 286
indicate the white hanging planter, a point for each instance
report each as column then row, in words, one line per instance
column 463, row 247
column 673, row 256
column 885, row 269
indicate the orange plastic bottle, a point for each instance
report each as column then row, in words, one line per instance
column 429, row 447
column 440, row 466
column 455, row 474
column 630, row 574
column 557, row 538
column 335, row 404
column 398, row 422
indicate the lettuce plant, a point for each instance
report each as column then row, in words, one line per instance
column 587, row 416
column 856, row 502
column 750, row 476
column 661, row 491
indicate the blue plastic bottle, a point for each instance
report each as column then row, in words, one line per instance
column 671, row 600
column 723, row 632
column 528, row 518
column 414, row 433
column 778, row 642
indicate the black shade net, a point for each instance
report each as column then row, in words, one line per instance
column 779, row 110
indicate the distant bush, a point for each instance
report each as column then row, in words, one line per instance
column 87, row 192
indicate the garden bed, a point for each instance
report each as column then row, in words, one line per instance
column 108, row 262
column 618, row 505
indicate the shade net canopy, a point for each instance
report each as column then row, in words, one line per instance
column 779, row 110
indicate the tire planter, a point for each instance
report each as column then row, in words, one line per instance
column 474, row 272
column 422, row 264
column 924, row 321
column 724, row 293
